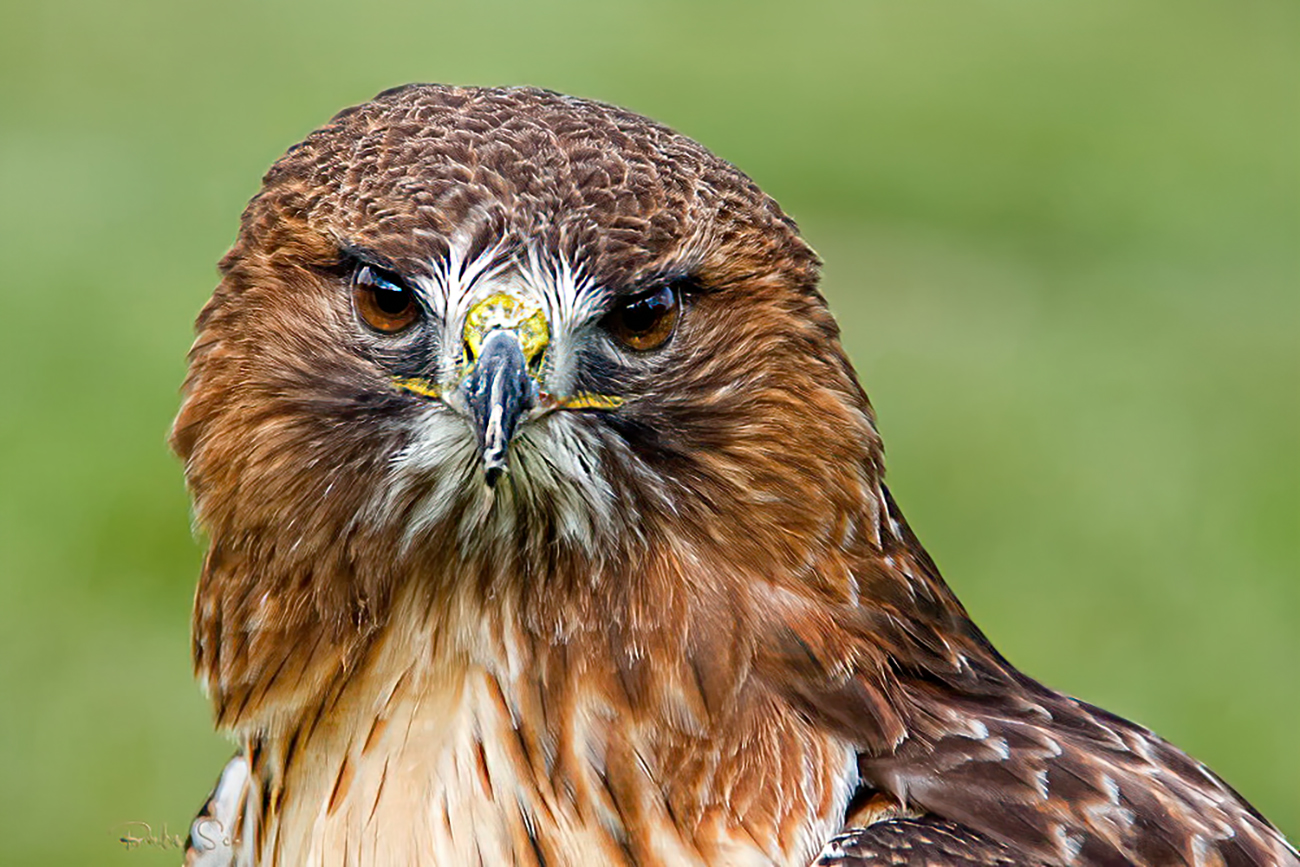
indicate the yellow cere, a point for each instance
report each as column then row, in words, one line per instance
column 422, row 387
column 507, row 312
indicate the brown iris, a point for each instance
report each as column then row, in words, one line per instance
column 382, row 301
column 646, row 321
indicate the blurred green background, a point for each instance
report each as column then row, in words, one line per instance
column 1061, row 237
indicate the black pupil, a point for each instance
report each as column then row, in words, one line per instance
column 643, row 314
column 392, row 301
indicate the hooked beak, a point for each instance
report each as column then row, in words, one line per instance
column 499, row 392
column 505, row 342
column 503, row 336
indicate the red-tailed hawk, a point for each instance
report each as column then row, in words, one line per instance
column 548, row 527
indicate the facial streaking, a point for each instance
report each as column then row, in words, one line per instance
column 505, row 338
column 497, row 374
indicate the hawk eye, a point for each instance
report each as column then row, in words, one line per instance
column 382, row 301
column 645, row 321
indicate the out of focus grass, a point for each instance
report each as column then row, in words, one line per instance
column 1061, row 237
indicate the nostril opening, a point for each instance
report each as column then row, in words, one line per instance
column 535, row 364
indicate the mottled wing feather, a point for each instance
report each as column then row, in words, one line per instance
column 1066, row 782
column 927, row 841
column 1047, row 775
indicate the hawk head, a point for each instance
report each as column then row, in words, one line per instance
column 513, row 336
column 546, row 521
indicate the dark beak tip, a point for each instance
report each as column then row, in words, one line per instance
column 500, row 392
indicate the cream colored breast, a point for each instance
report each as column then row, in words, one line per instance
column 425, row 758
column 431, row 784
column 421, row 761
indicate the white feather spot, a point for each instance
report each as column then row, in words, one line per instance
column 1000, row 747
